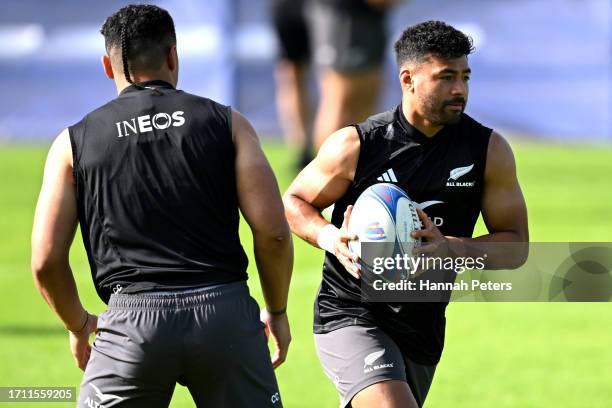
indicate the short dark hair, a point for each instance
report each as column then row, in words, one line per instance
column 142, row 33
column 431, row 38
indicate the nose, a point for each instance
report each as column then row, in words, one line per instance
column 460, row 88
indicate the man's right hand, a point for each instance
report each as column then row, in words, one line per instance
column 79, row 342
column 277, row 326
column 347, row 258
column 262, row 208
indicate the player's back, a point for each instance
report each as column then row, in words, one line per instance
column 156, row 191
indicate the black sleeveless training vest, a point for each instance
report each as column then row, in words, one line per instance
column 444, row 174
column 156, row 192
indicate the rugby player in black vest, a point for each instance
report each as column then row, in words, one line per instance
column 156, row 178
column 383, row 354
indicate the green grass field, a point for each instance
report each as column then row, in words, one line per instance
column 497, row 355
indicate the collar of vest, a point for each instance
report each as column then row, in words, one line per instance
column 414, row 134
column 156, row 83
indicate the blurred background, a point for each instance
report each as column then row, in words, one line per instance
column 541, row 68
column 542, row 75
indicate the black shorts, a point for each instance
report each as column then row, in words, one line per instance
column 346, row 39
column 210, row 340
column 339, row 36
column 289, row 22
column 356, row 357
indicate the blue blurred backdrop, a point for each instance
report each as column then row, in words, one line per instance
column 541, row 68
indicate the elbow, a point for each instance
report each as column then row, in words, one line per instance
column 522, row 255
column 281, row 234
column 276, row 234
column 288, row 203
column 518, row 256
column 42, row 265
column 291, row 203
column 282, row 240
column 522, row 252
column 516, row 261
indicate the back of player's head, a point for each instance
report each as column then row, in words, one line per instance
column 141, row 35
column 431, row 38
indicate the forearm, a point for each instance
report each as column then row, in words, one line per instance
column 56, row 284
column 501, row 250
column 274, row 259
column 305, row 220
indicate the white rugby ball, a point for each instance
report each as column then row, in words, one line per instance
column 384, row 214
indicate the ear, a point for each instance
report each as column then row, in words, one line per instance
column 172, row 59
column 107, row 66
column 406, row 79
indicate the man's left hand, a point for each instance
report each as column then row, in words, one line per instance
column 436, row 244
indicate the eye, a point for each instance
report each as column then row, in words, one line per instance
column 466, row 78
column 446, row 78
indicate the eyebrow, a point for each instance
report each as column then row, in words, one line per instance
column 454, row 71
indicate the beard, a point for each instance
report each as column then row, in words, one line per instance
column 442, row 113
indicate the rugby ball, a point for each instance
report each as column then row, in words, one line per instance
column 384, row 213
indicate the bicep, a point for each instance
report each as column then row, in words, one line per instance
column 258, row 192
column 55, row 218
column 503, row 204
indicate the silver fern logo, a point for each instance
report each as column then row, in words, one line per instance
column 460, row 171
column 91, row 403
column 370, row 360
column 457, row 173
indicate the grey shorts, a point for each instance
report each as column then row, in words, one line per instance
column 356, row 357
column 210, row 340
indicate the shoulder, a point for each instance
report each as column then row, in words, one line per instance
column 345, row 139
column 241, row 126
column 475, row 127
column 203, row 111
column 209, row 109
column 379, row 120
column 499, row 147
column 500, row 158
column 476, row 136
column 96, row 114
column 340, row 152
column 202, row 100
column 60, row 151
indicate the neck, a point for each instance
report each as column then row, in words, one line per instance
column 121, row 83
column 417, row 120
